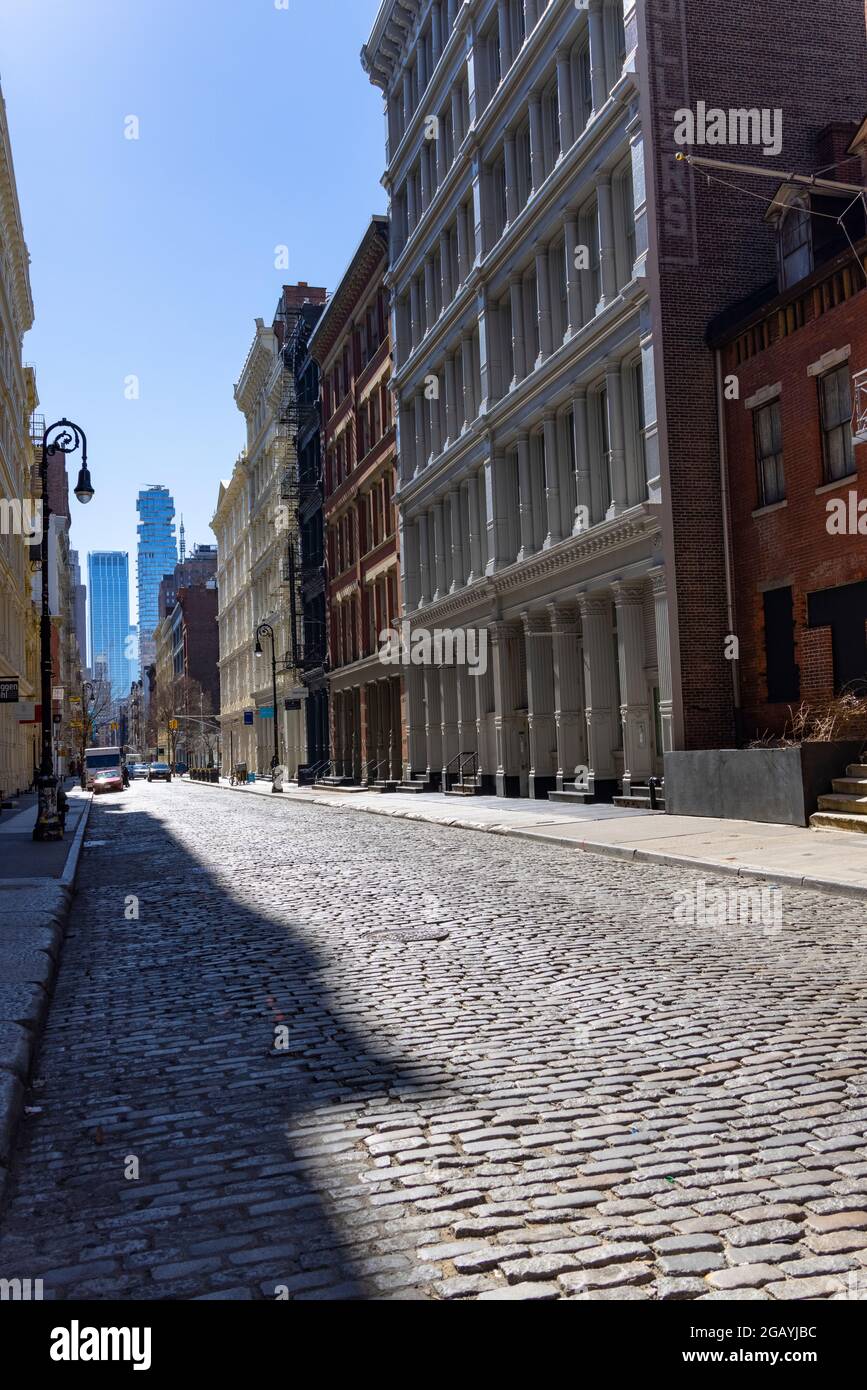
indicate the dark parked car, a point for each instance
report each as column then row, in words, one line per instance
column 159, row 772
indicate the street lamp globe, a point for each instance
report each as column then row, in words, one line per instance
column 84, row 487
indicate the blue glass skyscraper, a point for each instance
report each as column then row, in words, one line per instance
column 157, row 556
column 108, row 597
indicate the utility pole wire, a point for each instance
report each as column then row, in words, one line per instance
column 808, row 180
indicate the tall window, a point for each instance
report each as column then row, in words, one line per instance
column 836, row 414
column 769, row 454
column 498, row 189
column 796, row 259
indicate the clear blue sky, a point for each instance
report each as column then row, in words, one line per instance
column 153, row 257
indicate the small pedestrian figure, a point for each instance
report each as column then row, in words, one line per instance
column 62, row 805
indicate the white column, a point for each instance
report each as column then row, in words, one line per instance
column 456, row 540
column 445, row 269
column 497, row 521
column 430, row 307
column 537, row 157
column 468, row 373
column 439, row 551
column 475, row 529
column 435, row 426
column 511, row 170
column 420, row 459
column 573, row 289
column 564, row 99
column 600, row 691
column 424, row 559
column 543, row 291
column 598, row 81
column 448, row 716
column 552, row 481
column 453, row 428
column 433, row 722
column 417, row 742
column 584, row 505
column 607, row 261
column 568, row 709
column 436, row 32
column 634, row 707
column 540, row 703
column 463, row 245
column 516, row 299
column 619, row 500
column 511, row 748
column 505, row 35
column 525, row 496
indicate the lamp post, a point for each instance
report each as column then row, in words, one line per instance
column 85, row 725
column 68, row 438
column 267, row 628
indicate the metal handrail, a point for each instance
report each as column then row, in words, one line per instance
column 373, row 769
column 461, row 759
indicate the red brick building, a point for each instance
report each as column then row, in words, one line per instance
column 351, row 344
column 789, row 365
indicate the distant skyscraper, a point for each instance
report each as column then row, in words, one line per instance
column 157, row 556
column 108, row 583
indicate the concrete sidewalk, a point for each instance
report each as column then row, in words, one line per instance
column 827, row 860
column 36, row 884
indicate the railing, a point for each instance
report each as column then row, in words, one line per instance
column 859, row 418
column 461, row 761
column 308, row 773
column 373, row 771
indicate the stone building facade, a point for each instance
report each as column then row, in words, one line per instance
column 351, row 344
column 252, row 578
column 19, row 631
column 553, row 269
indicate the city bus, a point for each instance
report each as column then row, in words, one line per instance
column 101, row 760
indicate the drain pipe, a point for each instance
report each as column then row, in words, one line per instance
column 726, row 524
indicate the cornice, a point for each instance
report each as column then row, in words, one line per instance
column 640, row 523
column 15, row 256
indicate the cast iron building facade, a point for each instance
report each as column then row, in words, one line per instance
column 553, row 270
column 352, row 345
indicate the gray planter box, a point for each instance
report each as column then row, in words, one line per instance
column 778, row 786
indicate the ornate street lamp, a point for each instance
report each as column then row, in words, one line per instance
column 69, row 438
column 275, row 762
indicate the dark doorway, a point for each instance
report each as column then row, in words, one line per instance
column 844, row 610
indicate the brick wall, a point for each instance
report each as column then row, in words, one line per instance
column 791, row 544
column 810, row 60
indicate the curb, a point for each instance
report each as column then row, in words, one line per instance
column 782, row 877
column 24, row 1033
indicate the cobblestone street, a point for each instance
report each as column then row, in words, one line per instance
column 504, row 1072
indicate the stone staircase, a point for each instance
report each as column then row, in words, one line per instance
column 639, row 798
column 415, row 785
column 845, row 808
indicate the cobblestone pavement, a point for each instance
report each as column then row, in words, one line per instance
column 505, row 1072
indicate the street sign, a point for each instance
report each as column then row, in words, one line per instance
column 57, row 692
column 173, row 724
column 266, row 712
column 291, row 704
column 248, row 716
column 8, row 692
